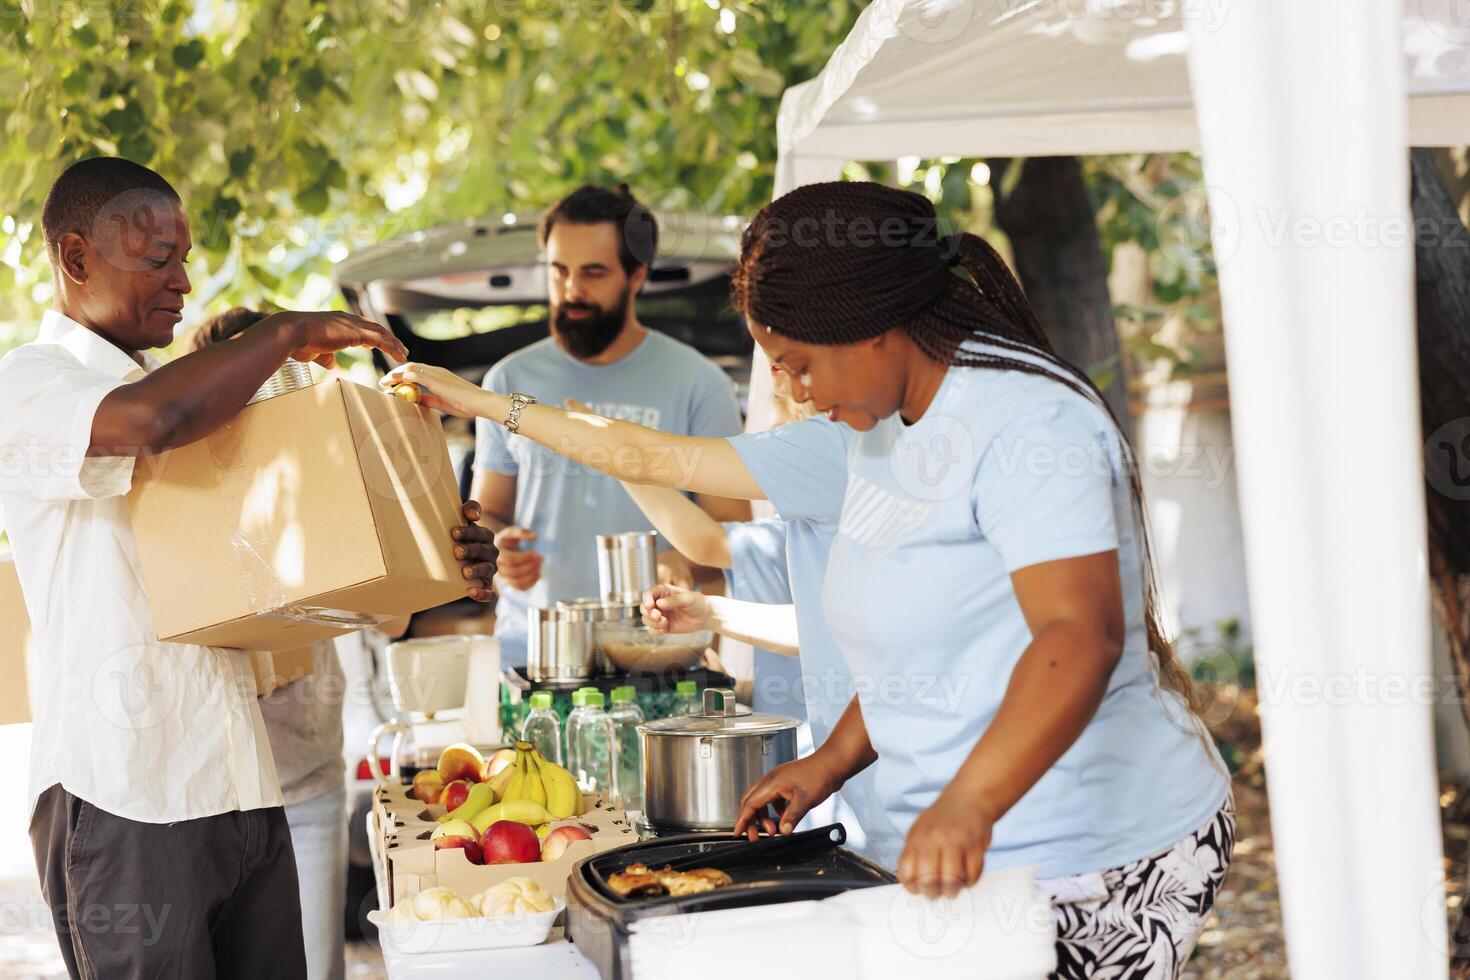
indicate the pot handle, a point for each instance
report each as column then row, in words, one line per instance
column 727, row 701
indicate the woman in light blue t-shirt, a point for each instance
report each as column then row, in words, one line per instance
column 988, row 587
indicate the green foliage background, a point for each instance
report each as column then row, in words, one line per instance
column 297, row 131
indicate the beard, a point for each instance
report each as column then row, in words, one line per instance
column 590, row 335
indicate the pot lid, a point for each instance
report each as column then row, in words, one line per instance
column 728, row 719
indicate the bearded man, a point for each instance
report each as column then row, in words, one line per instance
column 547, row 510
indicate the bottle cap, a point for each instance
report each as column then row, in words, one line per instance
column 592, row 698
column 541, row 699
column 624, row 694
column 686, row 689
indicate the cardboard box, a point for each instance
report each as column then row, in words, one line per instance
column 414, row 864
column 15, row 648
column 274, row 671
column 309, row 515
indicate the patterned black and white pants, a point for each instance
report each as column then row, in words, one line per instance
column 1141, row 921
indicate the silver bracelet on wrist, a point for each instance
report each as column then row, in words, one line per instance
column 518, row 401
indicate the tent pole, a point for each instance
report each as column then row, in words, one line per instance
column 1310, row 222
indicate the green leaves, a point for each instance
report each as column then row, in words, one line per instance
column 188, row 56
column 288, row 128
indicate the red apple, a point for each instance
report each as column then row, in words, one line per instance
column 498, row 761
column 508, row 842
column 454, row 794
column 472, row 851
column 560, row 839
column 428, row 786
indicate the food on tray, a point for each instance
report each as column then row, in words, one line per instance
column 461, row 761
column 428, row 786
column 455, row 793
column 639, row 880
column 436, row 903
column 532, row 777
column 498, row 760
column 458, row 833
column 555, row 844
column 480, row 797
column 528, row 812
column 635, row 880
column 509, row 842
column 514, row 896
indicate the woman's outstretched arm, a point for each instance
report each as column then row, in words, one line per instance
column 623, row 450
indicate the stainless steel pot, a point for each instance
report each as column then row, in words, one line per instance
column 560, row 641
column 627, row 565
column 558, row 650
column 697, row 767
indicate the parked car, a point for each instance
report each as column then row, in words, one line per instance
column 465, row 295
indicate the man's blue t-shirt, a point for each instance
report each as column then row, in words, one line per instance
column 663, row 384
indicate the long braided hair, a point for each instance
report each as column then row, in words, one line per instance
column 841, row 262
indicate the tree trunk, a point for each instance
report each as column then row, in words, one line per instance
column 1442, row 301
column 1059, row 259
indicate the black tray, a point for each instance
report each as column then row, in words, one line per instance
column 804, row 866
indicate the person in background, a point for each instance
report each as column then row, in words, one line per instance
column 303, row 720
column 547, row 511
column 152, row 786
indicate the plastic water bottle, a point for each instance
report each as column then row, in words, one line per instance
column 686, row 699
column 626, row 717
column 542, row 728
column 574, row 721
column 592, row 745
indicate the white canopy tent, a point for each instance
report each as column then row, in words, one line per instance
column 1303, row 112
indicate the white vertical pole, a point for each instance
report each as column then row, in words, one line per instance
column 1302, row 111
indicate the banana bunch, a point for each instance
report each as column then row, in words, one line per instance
column 533, row 777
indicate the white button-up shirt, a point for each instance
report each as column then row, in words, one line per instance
column 150, row 731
